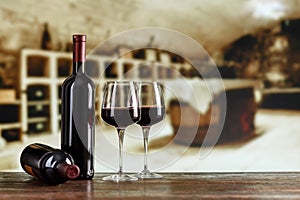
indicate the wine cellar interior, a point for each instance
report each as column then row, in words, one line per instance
column 259, row 62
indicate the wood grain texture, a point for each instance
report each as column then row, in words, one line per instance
column 285, row 185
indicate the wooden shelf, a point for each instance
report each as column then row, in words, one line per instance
column 16, row 102
column 41, row 102
column 37, row 119
column 5, row 126
column 38, row 80
column 10, row 125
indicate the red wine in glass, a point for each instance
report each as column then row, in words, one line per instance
column 151, row 115
column 120, row 109
column 152, row 108
column 119, row 117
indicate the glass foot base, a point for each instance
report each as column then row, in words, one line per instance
column 120, row 177
column 146, row 174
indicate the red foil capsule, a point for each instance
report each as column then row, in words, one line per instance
column 79, row 48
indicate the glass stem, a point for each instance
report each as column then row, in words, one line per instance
column 121, row 138
column 146, row 131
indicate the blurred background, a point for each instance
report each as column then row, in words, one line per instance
column 255, row 45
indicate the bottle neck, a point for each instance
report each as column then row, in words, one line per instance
column 78, row 67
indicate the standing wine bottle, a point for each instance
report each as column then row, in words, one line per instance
column 52, row 166
column 46, row 38
column 78, row 112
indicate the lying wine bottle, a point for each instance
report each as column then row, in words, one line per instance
column 52, row 166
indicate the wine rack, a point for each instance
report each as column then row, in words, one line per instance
column 43, row 72
column 10, row 126
column 10, row 105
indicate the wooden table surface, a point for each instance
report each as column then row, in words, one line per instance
column 283, row 185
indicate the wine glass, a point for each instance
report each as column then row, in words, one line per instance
column 120, row 109
column 152, row 109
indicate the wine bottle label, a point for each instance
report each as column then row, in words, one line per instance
column 29, row 170
column 34, row 146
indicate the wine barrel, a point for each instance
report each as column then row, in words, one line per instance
column 239, row 119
